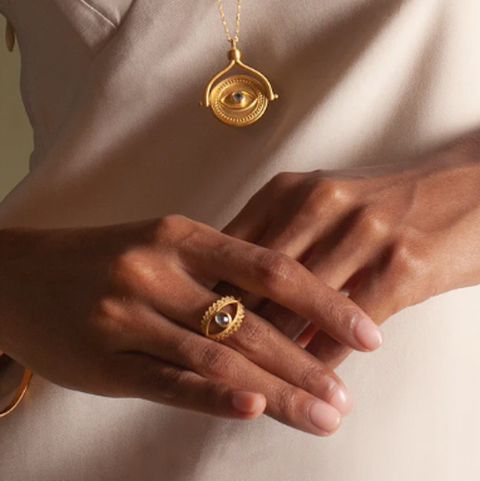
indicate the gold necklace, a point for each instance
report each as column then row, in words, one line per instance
column 238, row 100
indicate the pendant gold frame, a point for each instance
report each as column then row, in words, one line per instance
column 257, row 87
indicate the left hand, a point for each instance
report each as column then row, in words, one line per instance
column 392, row 236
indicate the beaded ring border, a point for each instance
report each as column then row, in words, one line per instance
column 223, row 319
column 22, row 389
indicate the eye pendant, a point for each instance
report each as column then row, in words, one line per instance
column 238, row 100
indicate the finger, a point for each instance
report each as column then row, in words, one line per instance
column 182, row 347
column 301, row 242
column 328, row 350
column 281, row 279
column 323, row 346
column 379, row 292
column 260, row 342
column 298, row 237
column 376, row 291
column 251, row 222
column 292, row 325
column 262, row 231
column 335, row 264
column 159, row 381
column 253, row 302
column 255, row 218
column 278, row 237
column 306, row 335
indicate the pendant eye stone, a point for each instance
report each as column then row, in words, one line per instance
column 223, row 319
column 237, row 96
column 238, row 102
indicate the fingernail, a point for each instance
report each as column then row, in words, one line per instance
column 247, row 402
column 368, row 333
column 323, row 416
column 341, row 400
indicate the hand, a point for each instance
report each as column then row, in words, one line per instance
column 116, row 311
column 392, row 236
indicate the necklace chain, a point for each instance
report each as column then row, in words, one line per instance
column 233, row 40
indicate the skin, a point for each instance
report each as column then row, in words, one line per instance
column 116, row 311
column 120, row 306
column 390, row 236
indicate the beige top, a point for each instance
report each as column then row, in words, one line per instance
column 112, row 87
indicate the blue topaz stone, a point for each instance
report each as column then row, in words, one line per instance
column 237, row 96
column 223, row 319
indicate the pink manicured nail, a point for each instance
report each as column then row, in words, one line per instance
column 323, row 416
column 247, row 402
column 368, row 333
column 341, row 400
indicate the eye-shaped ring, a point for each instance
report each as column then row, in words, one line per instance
column 228, row 322
column 239, row 99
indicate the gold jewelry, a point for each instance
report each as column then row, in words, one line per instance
column 238, row 100
column 222, row 318
column 22, row 389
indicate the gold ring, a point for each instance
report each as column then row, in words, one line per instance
column 20, row 392
column 223, row 319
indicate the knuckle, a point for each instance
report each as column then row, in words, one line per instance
column 131, row 268
column 273, row 268
column 408, row 274
column 282, row 180
column 185, row 347
column 289, row 323
column 171, row 222
column 173, row 228
column 167, row 382
column 334, row 190
column 123, row 265
column 404, row 262
column 107, row 309
column 325, row 193
column 312, row 377
column 212, row 396
column 217, row 361
column 329, row 309
column 288, row 400
column 371, row 224
column 113, row 322
column 254, row 337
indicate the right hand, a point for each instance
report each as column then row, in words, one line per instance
column 116, row 311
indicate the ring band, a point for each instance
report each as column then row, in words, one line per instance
column 215, row 314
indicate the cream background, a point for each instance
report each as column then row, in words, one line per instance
column 16, row 141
